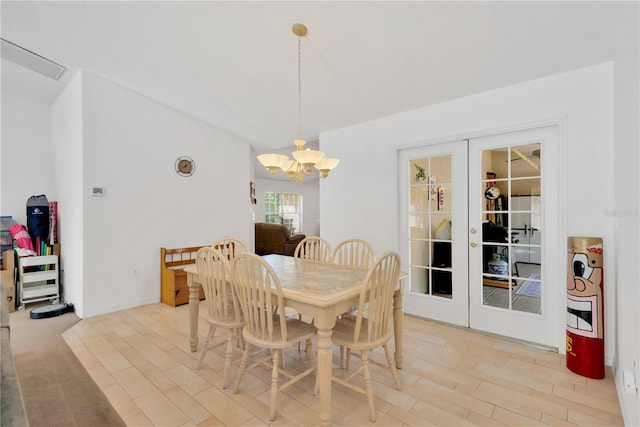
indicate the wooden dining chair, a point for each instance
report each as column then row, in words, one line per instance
column 353, row 253
column 260, row 296
column 223, row 310
column 230, row 246
column 371, row 327
column 314, row 248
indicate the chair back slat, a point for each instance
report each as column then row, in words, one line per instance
column 230, row 246
column 353, row 253
column 260, row 294
column 376, row 298
column 314, row 248
column 214, row 272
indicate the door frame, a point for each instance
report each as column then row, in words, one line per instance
column 558, row 246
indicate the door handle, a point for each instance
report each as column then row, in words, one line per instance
column 473, row 244
column 525, row 228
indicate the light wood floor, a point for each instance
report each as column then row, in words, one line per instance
column 140, row 358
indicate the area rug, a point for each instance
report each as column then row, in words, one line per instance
column 56, row 388
column 530, row 287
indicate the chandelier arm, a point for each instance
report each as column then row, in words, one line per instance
column 278, row 173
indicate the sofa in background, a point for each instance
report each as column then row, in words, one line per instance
column 275, row 239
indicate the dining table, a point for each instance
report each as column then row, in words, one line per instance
column 322, row 291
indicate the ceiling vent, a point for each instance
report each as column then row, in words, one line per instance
column 33, row 61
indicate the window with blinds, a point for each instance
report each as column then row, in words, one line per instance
column 284, row 208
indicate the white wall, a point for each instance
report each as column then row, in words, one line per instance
column 25, row 153
column 67, row 140
column 130, row 144
column 584, row 98
column 626, row 209
column 99, row 133
column 310, row 200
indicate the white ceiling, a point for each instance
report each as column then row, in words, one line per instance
column 233, row 64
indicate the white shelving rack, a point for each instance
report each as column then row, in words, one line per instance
column 38, row 279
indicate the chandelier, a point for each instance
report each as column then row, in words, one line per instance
column 304, row 160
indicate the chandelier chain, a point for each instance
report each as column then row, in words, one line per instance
column 299, row 87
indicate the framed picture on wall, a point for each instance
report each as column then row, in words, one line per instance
column 252, row 192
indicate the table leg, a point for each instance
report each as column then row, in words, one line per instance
column 194, row 308
column 398, row 319
column 324, row 375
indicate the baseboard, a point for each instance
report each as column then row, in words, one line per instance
column 117, row 307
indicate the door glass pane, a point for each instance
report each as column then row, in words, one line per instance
column 430, row 209
column 512, row 227
column 524, row 187
column 441, row 168
column 419, row 226
column 525, row 160
column 418, row 199
column 419, row 280
column 419, row 253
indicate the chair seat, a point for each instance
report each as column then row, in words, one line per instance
column 235, row 322
column 297, row 331
column 343, row 333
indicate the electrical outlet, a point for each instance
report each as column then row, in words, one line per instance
column 629, row 381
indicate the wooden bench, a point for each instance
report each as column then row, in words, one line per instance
column 173, row 280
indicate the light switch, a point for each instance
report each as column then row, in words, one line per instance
column 97, row 191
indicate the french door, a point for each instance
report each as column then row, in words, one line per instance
column 480, row 233
column 433, row 226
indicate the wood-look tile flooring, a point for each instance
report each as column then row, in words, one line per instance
column 451, row 376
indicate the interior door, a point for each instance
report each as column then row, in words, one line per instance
column 477, row 217
column 433, row 195
column 512, row 223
